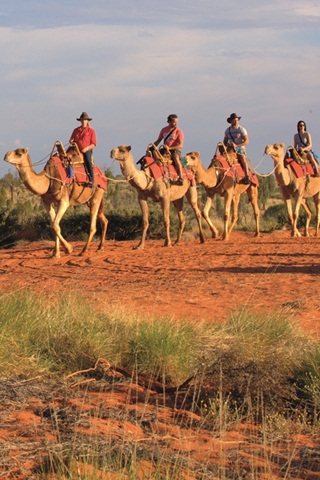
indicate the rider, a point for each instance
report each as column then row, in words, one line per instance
column 237, row 136
column 173, row 138
column 86, row 139
column 302, row 142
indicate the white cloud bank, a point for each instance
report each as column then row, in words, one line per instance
column 129, row 64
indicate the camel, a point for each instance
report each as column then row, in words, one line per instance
column 215, row 181
column 58, row 196
column 297, row 188
column 158, row 190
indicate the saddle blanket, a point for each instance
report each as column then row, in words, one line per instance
column 235, row 170
column 166, row 170
column 79, row 174
column 299, row 170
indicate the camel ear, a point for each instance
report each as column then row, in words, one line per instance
column 198, row 153
column 26, row 150
column 282, row 145
column 129, row 148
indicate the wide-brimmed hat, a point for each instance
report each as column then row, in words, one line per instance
column 232, row 117
column 84, row 116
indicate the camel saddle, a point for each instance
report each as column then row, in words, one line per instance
column 235, row 170
column 166, row 170
column 77, row 173
column 301, row 170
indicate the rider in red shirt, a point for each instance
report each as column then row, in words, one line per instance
column 173, row 138
column 86, row 139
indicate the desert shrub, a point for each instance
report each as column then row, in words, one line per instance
column 276, row 217
column 267, row 190
column 162, row 348
column 250, row 364
column 308, row 382
column 256, row 362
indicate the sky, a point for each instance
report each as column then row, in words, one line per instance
column 131, row 63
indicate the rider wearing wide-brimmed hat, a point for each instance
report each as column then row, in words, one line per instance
column 237, row 136
column 86, row 139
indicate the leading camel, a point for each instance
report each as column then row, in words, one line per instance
column 297, row 188
column 215, row 181
column 58, row 196
column 158, row 190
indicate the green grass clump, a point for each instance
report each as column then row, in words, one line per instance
column 250, row 363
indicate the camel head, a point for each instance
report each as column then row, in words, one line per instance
column 276, row 151
column 120, row 154
column 193, row 159
column 17, row 157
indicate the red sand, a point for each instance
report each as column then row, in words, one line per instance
column 188, row 281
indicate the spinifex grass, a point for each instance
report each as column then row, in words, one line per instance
column 259, row 369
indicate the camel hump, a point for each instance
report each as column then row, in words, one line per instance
column 58, row 149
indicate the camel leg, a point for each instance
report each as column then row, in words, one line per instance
column 205, row 214
column 235, row 213
column 288, row 203
column 306, row 207
column 192, row 198
column 182, row 221
column 57, row 230
column 145, row 221
column 51, row 211
column 165, row 204
column 316, row 199
column 252, row 193
column 227, row 207
column 96, row 210
column 295, row 231
column 104, row 226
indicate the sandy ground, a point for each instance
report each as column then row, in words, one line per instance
column 188, row 281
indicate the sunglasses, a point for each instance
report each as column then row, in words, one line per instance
column 302, row 124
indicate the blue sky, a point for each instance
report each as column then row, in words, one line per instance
column 130, row 63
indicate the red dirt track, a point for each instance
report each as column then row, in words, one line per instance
column 189, row 281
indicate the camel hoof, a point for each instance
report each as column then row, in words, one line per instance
column 138, row 247
column 68, row 249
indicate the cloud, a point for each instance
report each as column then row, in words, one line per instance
column 130, row 64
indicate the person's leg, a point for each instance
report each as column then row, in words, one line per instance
column 177, row 163
column 88, row 163
column 244, row 164
column 314, row 164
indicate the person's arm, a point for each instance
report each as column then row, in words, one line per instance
column 89, row 147
column 93, row 142
column 309, row 144
column 178, row 142
column 72, row 138
column 245, row 141
column 160, row 137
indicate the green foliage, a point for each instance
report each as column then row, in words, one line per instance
column 277, row 217
column 256, row 363
column 163, row 348
column 22, row 215
column 267, row 190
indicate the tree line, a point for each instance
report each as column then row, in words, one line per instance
column 22, row 216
